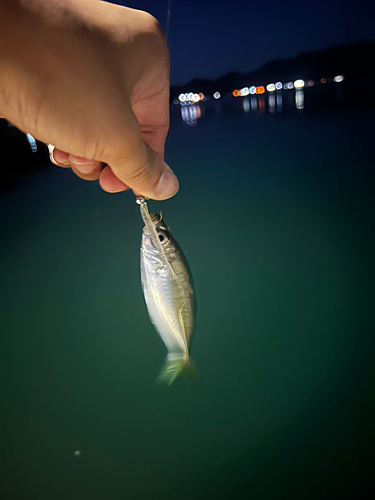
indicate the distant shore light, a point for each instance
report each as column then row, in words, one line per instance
column 190, row 96
column 253, row 89
column 244, row 91
column 339, row 78
column 217, row 95
column 323, row 80
column 271, row 87
column 196, row 98
column 278, row 85
column 182, row 98
column 260, row 90
column 299, row 84
column 201, row 96
column 288, row 86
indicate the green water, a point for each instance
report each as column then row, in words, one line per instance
column 276, row 220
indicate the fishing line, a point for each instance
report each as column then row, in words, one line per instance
column 168, row 19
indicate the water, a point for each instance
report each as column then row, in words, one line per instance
column 276, row 219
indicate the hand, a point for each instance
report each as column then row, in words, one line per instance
column 91, row 78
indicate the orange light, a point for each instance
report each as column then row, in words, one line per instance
column 323, row 80
column 260, row 90
column 201, row 96
column 236, row 93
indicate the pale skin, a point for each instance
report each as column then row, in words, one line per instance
column 91, row 79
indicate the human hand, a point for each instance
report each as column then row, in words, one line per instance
column 91, row 78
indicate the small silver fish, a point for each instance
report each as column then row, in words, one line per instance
column 169, row 293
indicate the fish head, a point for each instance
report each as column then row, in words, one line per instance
column 163, row 233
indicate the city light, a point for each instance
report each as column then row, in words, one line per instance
column 236, row 93
column 278, row 85
column 244, row 91
column 310, row 83
column 217, row 95
column 299, row 84
column 253, row 90
column 271, row 87
column 288, row 86
column 323, row 80
column 260, row 90
column 32, row 143
column 338, row 78
column 189, row 98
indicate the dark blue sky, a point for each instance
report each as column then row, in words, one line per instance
column 211, row 38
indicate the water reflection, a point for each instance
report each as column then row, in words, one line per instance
column 246, row 105
column 271, row 103
column 300, row 99
column 191, row 113
column 279, row 102
column 261, row 105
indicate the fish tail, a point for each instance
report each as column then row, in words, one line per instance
column 174, row 368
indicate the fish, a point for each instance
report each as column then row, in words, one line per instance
column 169, row 294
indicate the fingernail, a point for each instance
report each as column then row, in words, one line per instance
column 167, row 185
column 50, row 151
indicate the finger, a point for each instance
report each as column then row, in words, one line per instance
column 141, row 168
column 58, row 157
column 109, row 182
column 85, row 168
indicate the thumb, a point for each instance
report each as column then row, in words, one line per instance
column 141, row 169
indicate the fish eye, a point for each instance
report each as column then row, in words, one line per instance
column 163, row 237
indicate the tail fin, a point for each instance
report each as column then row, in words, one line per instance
column 174, row 368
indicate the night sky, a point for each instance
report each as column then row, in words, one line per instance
column 208, row 39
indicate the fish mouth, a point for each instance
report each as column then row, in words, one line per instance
column 158, row 222
column 156, row 218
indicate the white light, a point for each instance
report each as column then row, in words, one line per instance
column 182, row 98
column 217, row 95
column 196, row 98
column 288, row 86
column 252, row 89
column 299, row 84
column 279, row 86
column 32, row 143
column 338, row 78
column 244, row 91
column 271, row 87
column 190, row 96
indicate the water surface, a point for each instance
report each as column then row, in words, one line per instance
column 275, row 215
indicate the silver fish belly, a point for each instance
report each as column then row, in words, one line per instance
column 169, row 294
